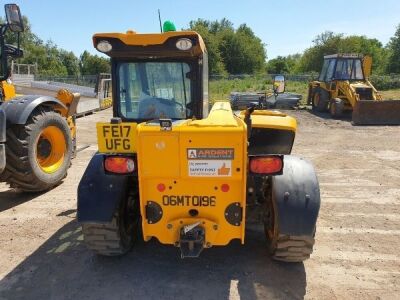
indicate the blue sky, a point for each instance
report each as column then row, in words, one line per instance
column 286, row 27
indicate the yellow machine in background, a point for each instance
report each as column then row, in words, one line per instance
column 190, row 177
column 37, row 133
column 343, row 85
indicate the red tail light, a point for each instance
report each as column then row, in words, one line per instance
column 266, row 165
column 119, row 164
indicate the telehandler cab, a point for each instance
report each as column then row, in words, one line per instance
column 183, row 173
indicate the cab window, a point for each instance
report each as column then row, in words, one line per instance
column 154, row 90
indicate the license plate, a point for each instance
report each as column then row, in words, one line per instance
column 116, row 138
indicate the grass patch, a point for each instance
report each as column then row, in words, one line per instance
column 391, row 94
column 220, row 89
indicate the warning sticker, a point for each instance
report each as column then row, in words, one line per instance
column 210, row 153
column 210, row 168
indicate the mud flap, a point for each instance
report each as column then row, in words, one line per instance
column 99, row 193
column 296, row 198
column 370, row 112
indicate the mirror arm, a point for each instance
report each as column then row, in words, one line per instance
column 3, row 29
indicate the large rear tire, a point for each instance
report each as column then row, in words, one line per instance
column 336, row 108
column 38, row 153
column 118, row 237
column 282, row 247
column 320, row 100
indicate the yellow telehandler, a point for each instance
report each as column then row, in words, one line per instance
column 343, row 85
column 37, row 133
column 184, row 173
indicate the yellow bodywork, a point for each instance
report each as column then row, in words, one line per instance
column 8, row 90
column 179, row 182
column 346, row 90
column 55, row 158
column 145, row 39
column 70, row 100
column 271, row 119
column 190, row 183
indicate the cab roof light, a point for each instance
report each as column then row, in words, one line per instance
column 104, row 46
column 266, row 165
column 184, row 44
column 119, row 164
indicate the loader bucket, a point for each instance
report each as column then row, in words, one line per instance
column 371, row 112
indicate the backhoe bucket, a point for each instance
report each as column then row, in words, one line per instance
column 370, row 112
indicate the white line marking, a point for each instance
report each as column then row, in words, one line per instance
column 233, row 290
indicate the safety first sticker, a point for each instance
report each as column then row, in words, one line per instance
column 210, row 162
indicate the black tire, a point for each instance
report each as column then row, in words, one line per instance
column 336, row 107
column 320, row 100
column 23, row 170
column 284, row 247
column 292, row 248
column 118, row 237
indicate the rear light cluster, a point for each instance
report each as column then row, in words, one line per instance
column 266, row 165
column 119, row 164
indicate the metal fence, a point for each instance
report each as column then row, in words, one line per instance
column 382, row 82
column 267, row 77
column 84, row 80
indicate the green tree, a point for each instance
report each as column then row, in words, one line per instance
column 234, row 51
column 93, row 64
column 215, row 63
column 278, row 65
column 331, row 43
column 393, row 64
column 70, row 61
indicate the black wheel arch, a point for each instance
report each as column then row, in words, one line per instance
column 20, row 108
column 99, row 194
column 296, row 198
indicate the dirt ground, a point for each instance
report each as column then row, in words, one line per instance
column 356, row 254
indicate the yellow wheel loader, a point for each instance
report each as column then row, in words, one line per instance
column 37, row 133
column 343, row 86
column 185, row 176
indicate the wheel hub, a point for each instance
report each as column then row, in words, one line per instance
column 43, row 148
column 50, row 149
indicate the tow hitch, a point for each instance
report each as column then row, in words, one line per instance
column 192, row 239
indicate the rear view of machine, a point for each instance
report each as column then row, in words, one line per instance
column 343, row 85
column 182, row 172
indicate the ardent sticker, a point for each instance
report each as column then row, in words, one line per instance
column 210, row 153
column 210, row 168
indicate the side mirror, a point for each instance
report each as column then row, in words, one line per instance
column 279, row 84
column 14, row 18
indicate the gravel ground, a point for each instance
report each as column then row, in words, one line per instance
column 356, row 254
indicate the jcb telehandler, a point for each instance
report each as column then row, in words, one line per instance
column 37, row 133
column 343, row 85
column 183, row 173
